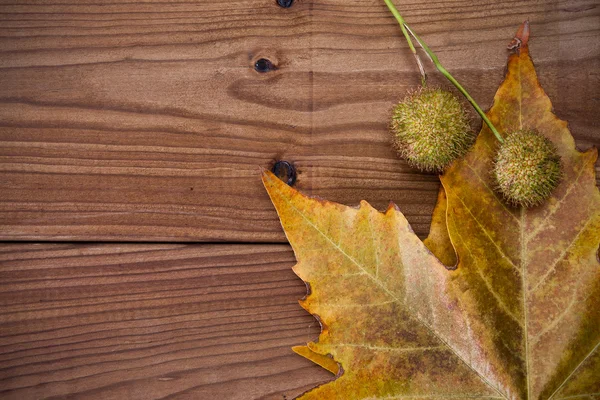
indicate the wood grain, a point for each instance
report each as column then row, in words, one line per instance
column 156, row 321
column 145, row 121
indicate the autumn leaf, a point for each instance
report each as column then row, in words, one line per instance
column 387, row 311
column 516, row 316
column 534, row 272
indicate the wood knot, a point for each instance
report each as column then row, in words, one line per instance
column 263, row 65
column 285, row 171
column 285, row 3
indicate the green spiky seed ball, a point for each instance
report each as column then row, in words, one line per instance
column 527, row 168
column 430, row 129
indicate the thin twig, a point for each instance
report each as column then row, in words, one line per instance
column 405, row 29
column 408, row 40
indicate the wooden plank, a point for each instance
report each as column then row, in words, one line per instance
column 152, row 321
column 147, row 122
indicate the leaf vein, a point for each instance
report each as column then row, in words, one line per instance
column 501, row 303
column 493, row 193
column 576, row 396
column 524, row 293
column 489, row 237
column 560, row 202
column 575, row 370
column 556, row 320
column 358, row 305
column 561, row 256
column 392, row 349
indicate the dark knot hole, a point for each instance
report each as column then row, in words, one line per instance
column 285, row 3
column 285, row 171
column 263, row 65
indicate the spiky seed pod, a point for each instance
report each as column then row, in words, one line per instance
column 527, row 168
column 430, row 129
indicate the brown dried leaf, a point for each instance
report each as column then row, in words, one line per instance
column 534, row 272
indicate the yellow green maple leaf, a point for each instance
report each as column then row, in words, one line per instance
column 388, row 313
column 519, row 315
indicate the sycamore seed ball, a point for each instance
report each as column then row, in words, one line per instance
column 527, row 168
column 430, row 129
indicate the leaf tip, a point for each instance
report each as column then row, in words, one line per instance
column 273, row 184
column 266, row 174
column 324, row 361
column 304, row 303
column 392, row 207
column 521, row 37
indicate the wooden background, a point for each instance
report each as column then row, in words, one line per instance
column 141, row 258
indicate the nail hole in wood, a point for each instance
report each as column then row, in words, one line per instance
column 285, row 3
column 263, row 65
column 285, row 171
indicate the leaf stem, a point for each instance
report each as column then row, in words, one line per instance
column 406, row 30
column 408, row 39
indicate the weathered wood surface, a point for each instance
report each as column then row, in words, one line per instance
column 152, row 322
column 145, row 121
